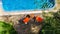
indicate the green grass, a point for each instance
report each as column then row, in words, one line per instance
column 6, row 28
column 51, row 23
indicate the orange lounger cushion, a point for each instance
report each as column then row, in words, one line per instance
column 39, row 19
column 26, row 20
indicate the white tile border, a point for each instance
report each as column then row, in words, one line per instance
column 17, row 13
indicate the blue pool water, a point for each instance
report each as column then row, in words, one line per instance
column 11, row 5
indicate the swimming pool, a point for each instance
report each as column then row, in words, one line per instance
column 12, row 5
